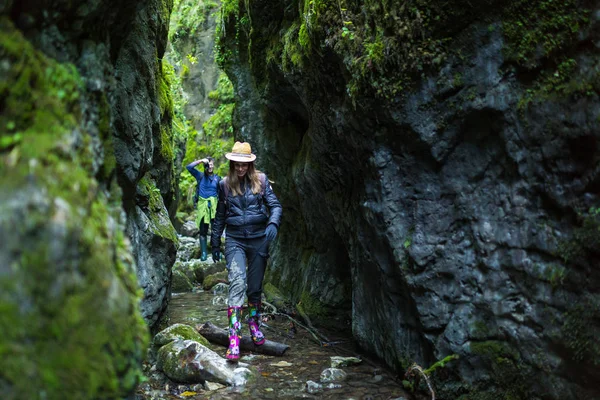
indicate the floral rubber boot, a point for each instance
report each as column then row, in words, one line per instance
column 254, row 324
column 234, row 314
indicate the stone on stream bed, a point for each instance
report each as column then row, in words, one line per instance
column 187, row 361
column 337, row 361
column 333, row 375
column 189, row 229
column 189, row 249
column 316, row 388
column 212, row 280
column 180, row 282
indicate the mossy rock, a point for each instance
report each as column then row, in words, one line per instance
column 274, row 296
column 178, row 332
column 70, row 320
column 181, row 283
column 187, row 269
column 202, row 269
column 212, row 280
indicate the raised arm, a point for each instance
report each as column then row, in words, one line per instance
column 191, row 167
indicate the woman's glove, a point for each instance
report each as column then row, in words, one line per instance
column 216, row 255
column 271, row 232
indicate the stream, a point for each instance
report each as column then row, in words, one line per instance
column 295, row 375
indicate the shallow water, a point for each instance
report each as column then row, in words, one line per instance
column 283, row 377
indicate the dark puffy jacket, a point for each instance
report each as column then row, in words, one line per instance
column 246, row 216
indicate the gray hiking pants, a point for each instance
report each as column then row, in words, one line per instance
column 246, row 261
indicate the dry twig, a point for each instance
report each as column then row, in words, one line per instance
column 416, row 367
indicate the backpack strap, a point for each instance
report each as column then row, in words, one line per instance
column 225, row 188
column 263, row 183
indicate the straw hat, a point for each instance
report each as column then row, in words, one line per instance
column 241, row 152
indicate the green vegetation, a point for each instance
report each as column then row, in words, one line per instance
column 224, row 52
column 293, row 52
column 387, row 46
column 188, row 17
column 509, row 377
column 161, row 225
column 166, row 76
column 441, row 364
column 414, row 373
column 310, row 306
column 541, row 33
column 541, row 28
column 383, row 45
column 563, row 81
column 580, row 334
column 216, row 136
column 585, row 238
column 216, row 141
column 41, row 101
column 555, row 274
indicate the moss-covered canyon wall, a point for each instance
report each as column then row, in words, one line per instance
column 86, row 194
column 438, row 165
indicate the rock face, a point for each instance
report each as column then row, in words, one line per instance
column 446, row 195
column 86, row 187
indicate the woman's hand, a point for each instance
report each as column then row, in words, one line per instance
column 216, row 255
column 271, row 232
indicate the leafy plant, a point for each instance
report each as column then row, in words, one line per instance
column 192, row 59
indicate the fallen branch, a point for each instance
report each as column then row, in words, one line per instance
column 315, row 334
column 220, row 336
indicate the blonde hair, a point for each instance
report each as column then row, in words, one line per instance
column 253, row 176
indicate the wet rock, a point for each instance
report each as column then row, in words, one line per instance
column 189, row 229
column 186, row 268
column 313, row 387
column 220, row 300
column 187, row 361
column 211, row 386
column 181, row 283
column 213, row 279
column 249, row 357
column 178, row 332
column 189, row 249
column 207, row 268
column 333, row 375
column 332, row 385
column 220, row 289
column 337, row 361
column 282, row 364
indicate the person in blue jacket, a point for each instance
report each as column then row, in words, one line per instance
column 206, row 197
column 250, row 213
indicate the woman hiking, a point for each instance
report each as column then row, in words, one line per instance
column 251, row 212
column 205, row 198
